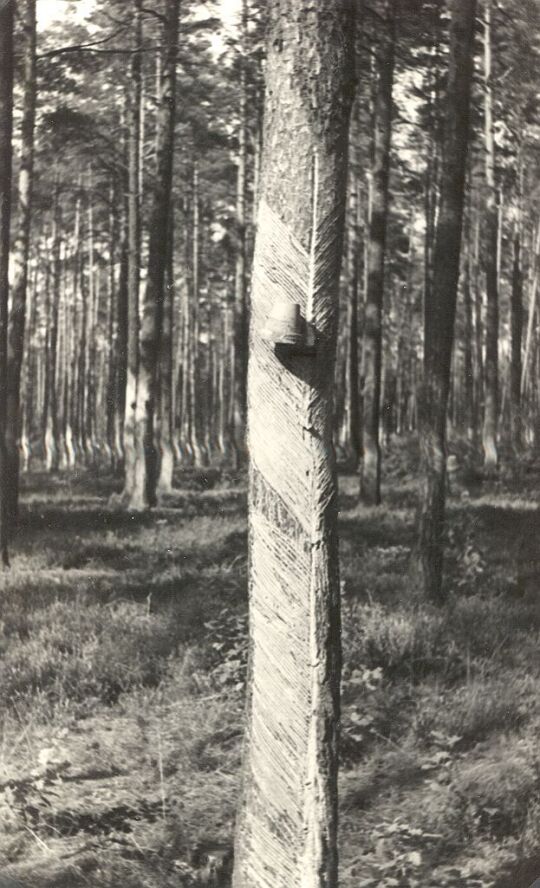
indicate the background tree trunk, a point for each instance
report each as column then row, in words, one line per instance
column 516, row 329
column 131, row 445
column 241, row 308
column 370, row 474
column 6, row 129
column 440, row 309
column 288, row 820
column 143, row 491
column 21, row 253
column 491, row 401
column 166, row 399
column 51, row 442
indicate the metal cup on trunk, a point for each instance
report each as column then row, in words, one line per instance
column 284, row 324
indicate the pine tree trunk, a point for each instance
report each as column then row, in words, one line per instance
column 132, row 447
column 240, row 297
column 516, row 324
column 286, row 834
column 52, row 453
column 491, row 399
column 6, row 131
column 468, row 369
column 166, row 403
column 370, row 474
column 440, row 310
column 20, row 261
column 112, row 330
column 143, row 491
column 353, row 392
column 121, row 338
column 74, row 423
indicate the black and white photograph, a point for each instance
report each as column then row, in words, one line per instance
column 269, row 443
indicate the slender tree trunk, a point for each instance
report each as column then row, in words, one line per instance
column 52, row 454
column 241, row 308
column 20, row 261
column 112, row 330
column 516, row 323
column 370, row 475
column 535, row 271
column 353, row 255
column 166, row 404
column 75, row 428
column 286, row 835
column 468, row 369
column 121, row 338
column 491, row 400
column 93, row 295
column 132, row 447
column 6, row 131
column 143, row 492
column 440, row 311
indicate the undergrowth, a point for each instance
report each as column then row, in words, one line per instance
column 123, row 654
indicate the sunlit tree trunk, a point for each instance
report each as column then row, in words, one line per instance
column 6, row 130
column 370, row 473
column 441, row 308
column 286, row 834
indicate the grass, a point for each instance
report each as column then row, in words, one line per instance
column 123, row 645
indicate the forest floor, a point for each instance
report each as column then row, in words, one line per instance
column 122, row 663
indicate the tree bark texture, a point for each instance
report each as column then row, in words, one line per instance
column 441, row 308
column 286, row 833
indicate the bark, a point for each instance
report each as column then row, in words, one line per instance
column 353, row 392
column 6, row 131
column 491, row 397
column 516, row 324
column 21, row 252
column 468, row 369
column 75, row 434
column 131, row 445
column 240, row 296
column 286, row 833
column 478, row 326
column 533, row 287
column 370, row 475
column 121, row 338
column 112, row 330
column 196, row 436
column 143, row 491
column 440, row 310
column 51, row 441
column 166, row 402
column 90, row 379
